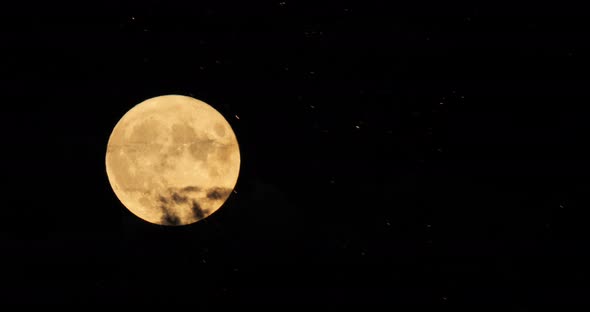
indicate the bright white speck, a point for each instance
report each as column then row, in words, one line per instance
column 132, row 18
column 235, row 192
column 462, row 96
column 358, row 127
column 561, row 206
column 282, row 3
column 441, row 103
column 237, row 117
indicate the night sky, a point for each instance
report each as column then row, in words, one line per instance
column 391, row 153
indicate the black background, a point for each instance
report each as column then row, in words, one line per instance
column 391, row 153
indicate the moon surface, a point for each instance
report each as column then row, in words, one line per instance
column 172, row 160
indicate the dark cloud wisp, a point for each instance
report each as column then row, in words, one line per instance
column 197, row 210
column 218, row 193
column 179, row 199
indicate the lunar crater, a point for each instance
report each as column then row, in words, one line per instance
column 219, row 129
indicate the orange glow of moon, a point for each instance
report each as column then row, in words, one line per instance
column 172, row 160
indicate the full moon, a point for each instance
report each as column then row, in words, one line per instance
column 172, row 160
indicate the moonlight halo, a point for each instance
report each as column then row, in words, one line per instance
column 172, row 160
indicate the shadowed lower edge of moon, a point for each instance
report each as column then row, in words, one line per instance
column 184, row 196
